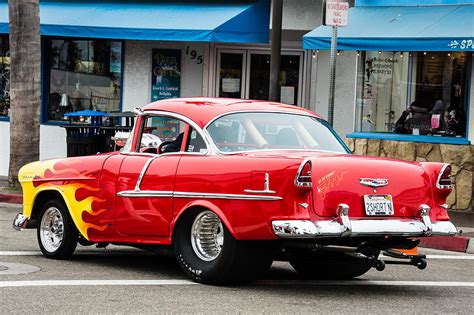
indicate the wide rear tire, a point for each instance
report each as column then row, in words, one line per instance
column 321, row 265
column 208, row 253
column 57, row 234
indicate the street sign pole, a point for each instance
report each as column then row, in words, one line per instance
column 335, row 15
column 332, row 76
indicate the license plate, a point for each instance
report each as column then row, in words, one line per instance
column 378, row 204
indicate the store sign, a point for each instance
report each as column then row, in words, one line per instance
column 166, row 74
column 465, row 44
column 336, row 13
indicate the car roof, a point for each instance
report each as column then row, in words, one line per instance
column 202, row 110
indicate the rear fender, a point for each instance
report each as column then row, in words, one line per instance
column 439, row 208
column 202, row 204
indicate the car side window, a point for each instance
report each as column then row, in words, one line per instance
column 195, row 143
column 161, row 134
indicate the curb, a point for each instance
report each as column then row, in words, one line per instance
column 461, row 244
column 11, row 198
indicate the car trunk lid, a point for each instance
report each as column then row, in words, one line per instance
column 348, row 179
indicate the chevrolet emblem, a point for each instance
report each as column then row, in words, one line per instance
column 373, row 182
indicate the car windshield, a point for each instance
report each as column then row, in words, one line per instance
column 263, row 131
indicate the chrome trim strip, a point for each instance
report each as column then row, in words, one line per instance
column 145, row 193
column 259, row 191
column 178, row 194
column 266, row 187
column 20, row 222
column 225, row 196
column 142, row 173
column 360, row 227
column 298, row 173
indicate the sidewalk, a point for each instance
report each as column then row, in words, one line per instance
column 464, row 221
column 464, row 242
column 8, row 195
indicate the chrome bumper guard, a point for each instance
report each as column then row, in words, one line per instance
column 20, row 222
column 343, row 226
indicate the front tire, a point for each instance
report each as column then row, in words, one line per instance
column 208, row 253
column 57, row 235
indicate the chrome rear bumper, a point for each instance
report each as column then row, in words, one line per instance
column 343, row 226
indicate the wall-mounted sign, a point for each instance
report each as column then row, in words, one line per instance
column 336, row 12
column 166, row 74
column 465, row 44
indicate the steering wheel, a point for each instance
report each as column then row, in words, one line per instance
column 162, row 146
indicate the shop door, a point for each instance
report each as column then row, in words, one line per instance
column 231, row 74
column 258, row 69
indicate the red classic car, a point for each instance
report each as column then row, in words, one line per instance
column 233, row 185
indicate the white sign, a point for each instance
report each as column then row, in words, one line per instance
column 336, row 13
column 287, row 95
column 230, row 85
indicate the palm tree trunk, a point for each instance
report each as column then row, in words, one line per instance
column 25, row 54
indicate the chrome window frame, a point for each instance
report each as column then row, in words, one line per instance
column 210, row 148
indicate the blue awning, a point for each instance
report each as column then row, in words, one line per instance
column 197, row 21
column 428, row 28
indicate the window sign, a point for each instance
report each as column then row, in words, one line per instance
column 166, row 74
column 231, row 85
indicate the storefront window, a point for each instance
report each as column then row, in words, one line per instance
column 413, row 93
column 4, row 76
column 84, row 74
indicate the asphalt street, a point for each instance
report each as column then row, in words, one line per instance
column 126, row 280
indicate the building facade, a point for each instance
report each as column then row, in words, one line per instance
column 403, row 82
column 120, row 61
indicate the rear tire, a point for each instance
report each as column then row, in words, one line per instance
column 321, row 265
column 208, row 253
column 57, row 234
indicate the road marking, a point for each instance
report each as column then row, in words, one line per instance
column 42, row 283
column 20, row 253
column 84, row 252
column 454, row 257
column 368, row 283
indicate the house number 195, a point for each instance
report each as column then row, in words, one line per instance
column 194, row 55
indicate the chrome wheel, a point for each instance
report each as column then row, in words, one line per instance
column 51, row 229
column 207, row 235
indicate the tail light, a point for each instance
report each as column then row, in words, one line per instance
column 303, row 176
column 444, row 178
